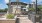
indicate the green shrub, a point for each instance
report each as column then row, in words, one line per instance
column 31, row 9
column 41, row 9
column 10, row 16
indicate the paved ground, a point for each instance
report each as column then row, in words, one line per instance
column 24, row 19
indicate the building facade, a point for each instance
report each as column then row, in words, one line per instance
column 17, row 7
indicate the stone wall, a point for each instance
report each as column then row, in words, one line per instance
column 4, row 20
column 7, row 21
column 35, row 18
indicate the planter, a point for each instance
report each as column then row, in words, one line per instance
column 8, row 20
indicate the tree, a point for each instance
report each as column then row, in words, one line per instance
column 40, row 7
column 5, row 9
column 1, row 10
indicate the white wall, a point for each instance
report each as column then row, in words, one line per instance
column 15, row 6
column 27, row 7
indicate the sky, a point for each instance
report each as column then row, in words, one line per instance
column 4, row 2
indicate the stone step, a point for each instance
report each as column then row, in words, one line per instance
column 23, row 16
column 24, row 20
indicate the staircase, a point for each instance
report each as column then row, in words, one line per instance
column 24, row 19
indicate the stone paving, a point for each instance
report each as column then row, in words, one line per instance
column 24, row 19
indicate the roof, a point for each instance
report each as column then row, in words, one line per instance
column 15, row 3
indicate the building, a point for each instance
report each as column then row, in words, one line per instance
column 18, row 9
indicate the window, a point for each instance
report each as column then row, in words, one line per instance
column 24, row 9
